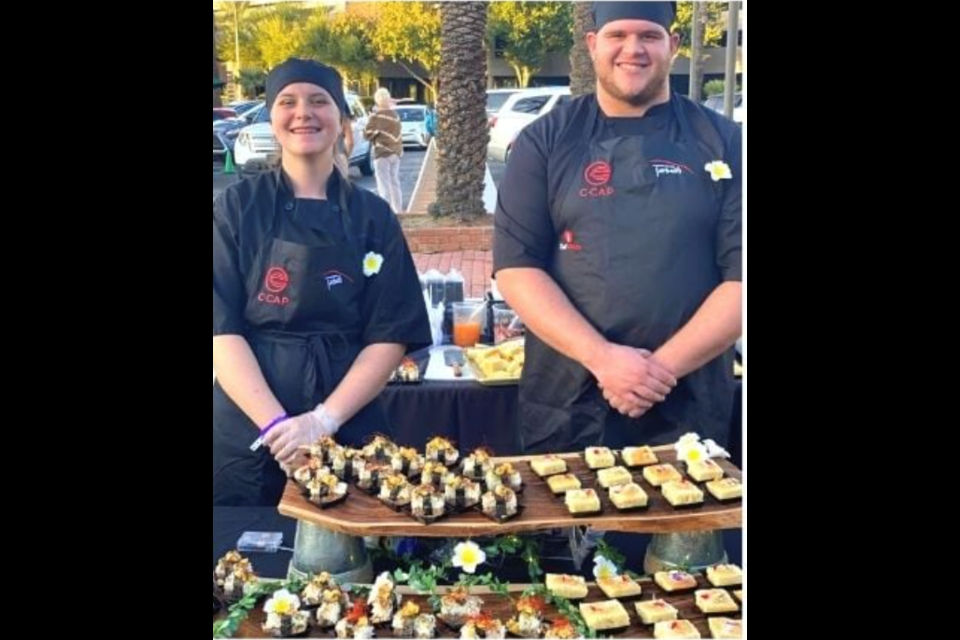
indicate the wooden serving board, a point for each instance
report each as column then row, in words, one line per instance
column 364, row 515
column 502, row 608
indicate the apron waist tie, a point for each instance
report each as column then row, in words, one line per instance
column 322, row 346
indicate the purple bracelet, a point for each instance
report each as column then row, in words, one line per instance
column 273, row 423
column 263, row 432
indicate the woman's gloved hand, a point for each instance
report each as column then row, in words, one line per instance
column 285, row 439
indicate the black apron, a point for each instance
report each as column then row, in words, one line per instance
column 637, row 257
column 304, row 325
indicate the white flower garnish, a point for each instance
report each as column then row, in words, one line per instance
column 695, row 452
column 687, row 439
column 715, row 451
column 372, row 262
column 603, row 568
column 283, row 603
column 467, row 555
column 719, row 170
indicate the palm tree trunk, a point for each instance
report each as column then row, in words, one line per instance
column 583, row 79
column 461, row 106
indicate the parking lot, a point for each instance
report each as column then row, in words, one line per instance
column 409, row 171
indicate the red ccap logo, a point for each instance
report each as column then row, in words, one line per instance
column 598, row 174
column 277, row 280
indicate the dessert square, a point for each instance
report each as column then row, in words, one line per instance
column 654, row 611
column 563, row 483
column 639, row 456
column 725, row 575
column 660, row 474
column 629, row 496
column 613, row 477
column 583, row 501
column 725, row 628
column 675, row 629
column 600, row 458
column 671, row 581
column 600, row 616
column 726, row 489
column 682, row 493
column 619, row 587
column 548, row 466
column 569, row 587
column 715, row 601
column 703, row 470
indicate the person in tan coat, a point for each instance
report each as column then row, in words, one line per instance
column 385, row 134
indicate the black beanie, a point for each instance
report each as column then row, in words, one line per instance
column 294, row 70
column 662, row 13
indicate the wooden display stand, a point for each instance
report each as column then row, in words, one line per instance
column 365, row 515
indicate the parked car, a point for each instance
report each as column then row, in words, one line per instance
column 222, row 113
column 256, row 142
column 519, row 110
column 716, row 103
column 413, row 124
column 225, row 131
column 495, row 101
column 497, row 97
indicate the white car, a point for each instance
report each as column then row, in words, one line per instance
column 519, row 110
column 716, row 103
column 256, row 142
column 496, row 99
column 413, row 124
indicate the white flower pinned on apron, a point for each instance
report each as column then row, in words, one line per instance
column 372, row 262
column 719, row 170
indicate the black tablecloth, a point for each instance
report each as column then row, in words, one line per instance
column 468, row 413
column 473, row 415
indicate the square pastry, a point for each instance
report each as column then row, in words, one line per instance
column 569, row 587
column 675, row 629
column 671, row 581
column 629, row 496
column 715, row 601
column 725, row 628
column 703, row 470
column 600, row 458
column 600, row 616
column 725, row 575
column 654, row 611
column 659, row 474
column 726, row 489
column 613, row 477
column 619, row 587
column 738, row 594
column 682, row 493
column 583, row 501
column 639, row 456
column 548, row 466
column 563, row 483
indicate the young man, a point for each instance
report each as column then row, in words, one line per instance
column 618, row 242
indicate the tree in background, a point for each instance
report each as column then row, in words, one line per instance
column 408, row 32
column 253, row 82
column 237, row 42
column 714, row 25
column 525, row 32
column 463, row 134
column 216, row 70
column 694, row 40
column 281, row 33
column 343, row 41
column 583, row 79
